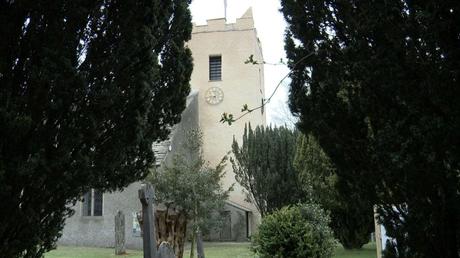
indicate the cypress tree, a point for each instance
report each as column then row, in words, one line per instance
column 352, row 217
column 86, row 87
column 263, row 166
column 376, row 82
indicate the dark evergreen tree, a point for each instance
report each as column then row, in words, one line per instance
column 377, row 83
column 352, row 218
column 86, row 87
column 263, row 166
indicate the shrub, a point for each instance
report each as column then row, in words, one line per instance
column 295, row 231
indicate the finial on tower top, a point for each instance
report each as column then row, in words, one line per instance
column 225, row 9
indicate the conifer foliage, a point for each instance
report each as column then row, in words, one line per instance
column 295, row 231
column 352, row 218
column 263, row 165
column 380, row 93
column 86, row 87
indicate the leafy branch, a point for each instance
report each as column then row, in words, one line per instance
column 251, row 60
column 229, row 118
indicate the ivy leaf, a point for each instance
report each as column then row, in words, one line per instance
column 251, row 60
column 227, row 118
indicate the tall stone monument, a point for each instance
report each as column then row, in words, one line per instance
column 120, row 233
column 146, row 196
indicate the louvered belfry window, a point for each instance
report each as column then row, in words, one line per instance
column 215, row 68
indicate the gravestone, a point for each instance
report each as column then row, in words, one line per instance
column 199, row 245
column 146, row 196
column 166, row 251
column 120, row 233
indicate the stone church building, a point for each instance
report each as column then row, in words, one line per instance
column 221, row 82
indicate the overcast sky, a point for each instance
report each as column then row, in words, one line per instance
column 270, row 26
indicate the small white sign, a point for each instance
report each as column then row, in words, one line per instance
column 136, row 225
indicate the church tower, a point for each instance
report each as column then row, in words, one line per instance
column 221, row 82
column 225, row 83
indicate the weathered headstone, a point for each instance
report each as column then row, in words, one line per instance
column 166, row 251
column 120, row 233
column 146, row 196
column 199, row 245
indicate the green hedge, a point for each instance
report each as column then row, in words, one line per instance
column 299, row 231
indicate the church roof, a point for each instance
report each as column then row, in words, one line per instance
column 238, row 206
column 162, row 148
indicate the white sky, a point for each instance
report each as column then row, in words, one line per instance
column 270, row 26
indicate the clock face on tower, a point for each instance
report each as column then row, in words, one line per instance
column 214, row 96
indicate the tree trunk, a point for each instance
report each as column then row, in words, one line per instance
column 192, row 247
column 172, row 228
column 452, row 219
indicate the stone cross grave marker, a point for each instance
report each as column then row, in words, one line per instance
column 146, row 196
column 120, row 233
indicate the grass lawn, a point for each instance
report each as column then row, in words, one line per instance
column 368, row 251
column 213, row 250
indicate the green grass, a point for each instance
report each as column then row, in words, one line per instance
column 212, row 250
column 224, row 250
column 368, row 251
column 88, row 252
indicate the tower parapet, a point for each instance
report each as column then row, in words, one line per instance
column 245, row 22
